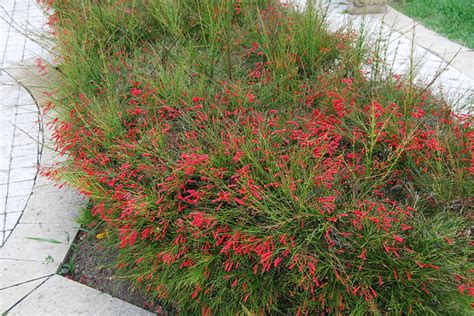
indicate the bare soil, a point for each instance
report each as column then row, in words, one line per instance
column 90, row 263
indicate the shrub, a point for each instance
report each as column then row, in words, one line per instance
column 245, row 164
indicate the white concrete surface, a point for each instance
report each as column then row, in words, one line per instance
column 20, row 128
column 60, row 296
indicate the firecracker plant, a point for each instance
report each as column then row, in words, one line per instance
column 247, row 160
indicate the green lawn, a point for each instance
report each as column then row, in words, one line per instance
column 452, row 18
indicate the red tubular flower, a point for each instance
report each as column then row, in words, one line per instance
column 135, row 92
column 339, row 107
column 398, row 238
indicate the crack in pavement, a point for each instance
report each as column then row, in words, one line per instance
column 27, row 294
column 21, row 283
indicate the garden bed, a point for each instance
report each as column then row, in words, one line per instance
column 243, row 159
column 92, row 263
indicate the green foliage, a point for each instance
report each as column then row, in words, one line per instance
column 243, row 162
column 85, row 217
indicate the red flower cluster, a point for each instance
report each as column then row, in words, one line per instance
column 199, row 191
column 319, row 196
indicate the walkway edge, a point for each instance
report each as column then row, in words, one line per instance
column 41, row 240
column 61, row 296
column 461, row 57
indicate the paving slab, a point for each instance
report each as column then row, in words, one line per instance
column 19, row 132
column 15, row 272
column 39, row 241
column 53, row 206
column 61, row 296
column 10, row 296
